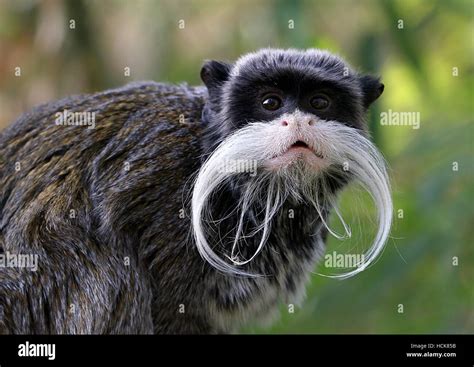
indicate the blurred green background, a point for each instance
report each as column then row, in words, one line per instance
column 423, row 282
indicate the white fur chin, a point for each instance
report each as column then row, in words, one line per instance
column 285, row 174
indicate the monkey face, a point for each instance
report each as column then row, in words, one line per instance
column 294, row 91
column 287, row 126
column 262, row 91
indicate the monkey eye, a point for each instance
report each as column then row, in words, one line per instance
column 272, row 102
column 319, row 102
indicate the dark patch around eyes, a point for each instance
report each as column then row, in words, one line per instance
column 293, row 85
column 338, row 95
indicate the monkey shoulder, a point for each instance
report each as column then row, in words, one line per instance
column 139, row 143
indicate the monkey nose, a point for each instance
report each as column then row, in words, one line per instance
column 297, row 123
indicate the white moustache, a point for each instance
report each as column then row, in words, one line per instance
column 285, row 173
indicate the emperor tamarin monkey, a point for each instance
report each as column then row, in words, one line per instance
column 166, row 208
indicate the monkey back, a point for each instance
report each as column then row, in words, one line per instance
column 90, row 203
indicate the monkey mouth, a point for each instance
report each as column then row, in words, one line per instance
column 300, row 143
column 301, row 146
column 298, row 151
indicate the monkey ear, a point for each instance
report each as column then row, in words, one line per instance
column 215, row 73
column 372, row 88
